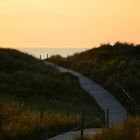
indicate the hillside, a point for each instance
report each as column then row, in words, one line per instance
column 115, row 67
column 27, row 86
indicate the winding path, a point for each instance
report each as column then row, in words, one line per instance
column 117, row 113
column 74, row 134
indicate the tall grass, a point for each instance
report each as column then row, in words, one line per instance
column 22, row 122
column 129, row 130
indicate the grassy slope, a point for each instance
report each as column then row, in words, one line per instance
column 129, row 130
column 27, row 85
column 120, row 62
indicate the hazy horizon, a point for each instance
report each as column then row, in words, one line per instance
column 73, row 23
column 64, row 52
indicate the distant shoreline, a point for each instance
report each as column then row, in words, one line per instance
column 36, row 52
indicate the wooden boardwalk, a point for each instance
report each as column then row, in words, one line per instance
column 74, row 134
column 117, row 113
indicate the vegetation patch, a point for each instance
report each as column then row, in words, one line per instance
column 29, row 86
column 129, row 130
column 22, row 122
column 115, row 67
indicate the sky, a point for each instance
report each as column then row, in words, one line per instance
column 68, row 23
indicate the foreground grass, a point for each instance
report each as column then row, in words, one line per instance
column 129, row 130
column 27, row 85
column 22, row 122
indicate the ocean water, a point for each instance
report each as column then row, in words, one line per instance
column 51, row 51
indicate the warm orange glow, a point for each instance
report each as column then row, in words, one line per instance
column 37, row 23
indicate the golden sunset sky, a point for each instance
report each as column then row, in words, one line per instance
column 74, row 23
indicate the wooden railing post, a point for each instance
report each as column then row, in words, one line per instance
column 47, row 55
column 82, row 124
column 41, row 116
column 1, row 122
column 107, row 118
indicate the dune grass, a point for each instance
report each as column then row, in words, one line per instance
column 27, row 86
column 129, row 130
column 115, row 67
column 22, row 122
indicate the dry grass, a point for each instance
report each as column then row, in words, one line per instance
column 129, row 130
column 22, row 122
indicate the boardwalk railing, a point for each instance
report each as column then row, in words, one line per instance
column 122, row 93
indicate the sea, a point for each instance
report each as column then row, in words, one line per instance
column 64, row 52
